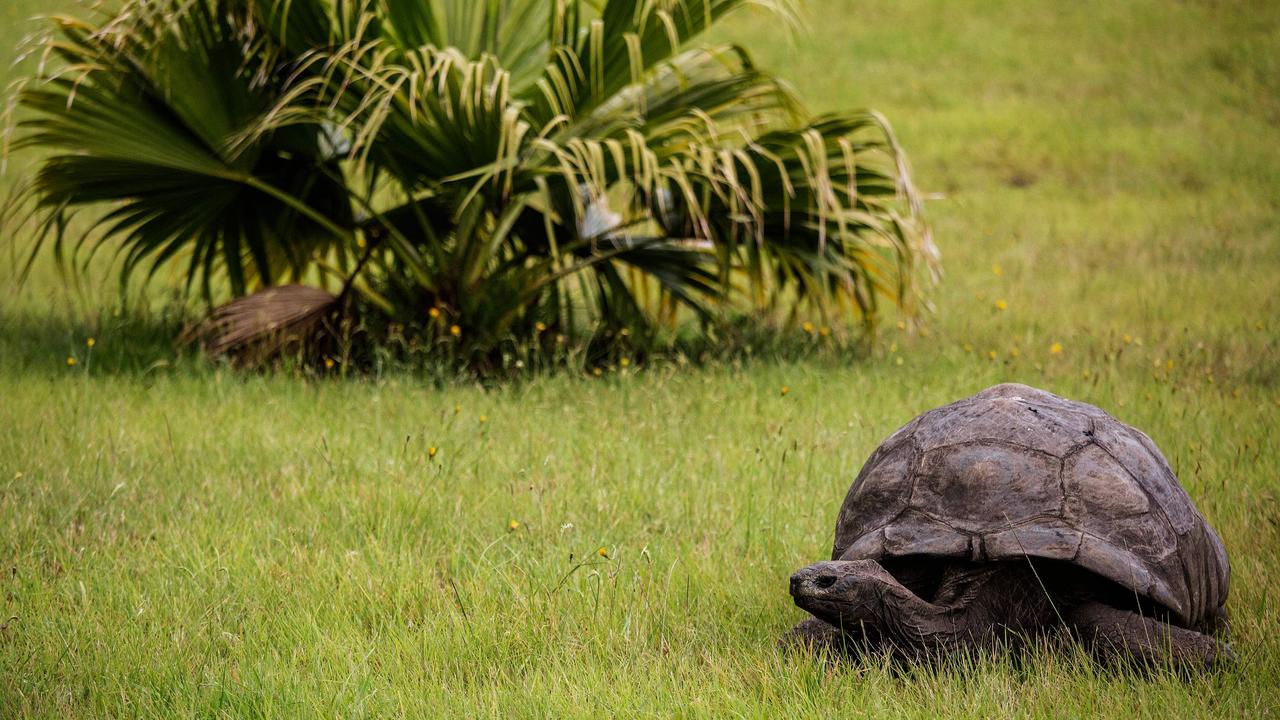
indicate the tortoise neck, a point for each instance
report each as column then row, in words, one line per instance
column 973, row 603
column 913, row 622
column 905, row 618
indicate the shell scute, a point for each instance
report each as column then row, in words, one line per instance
column 880, row 493
column 918, row 534
column 978, row 486
column 1127, row 569
column 1155, row 477
column 1096, row 481
column 1049, row 540
column 1018, row 419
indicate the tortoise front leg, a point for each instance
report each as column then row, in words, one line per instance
column 1110, row 631
column 819, row 635
column 813, row 634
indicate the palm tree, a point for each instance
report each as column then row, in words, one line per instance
column 476, row 171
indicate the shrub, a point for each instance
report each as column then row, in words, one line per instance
column 477, row 174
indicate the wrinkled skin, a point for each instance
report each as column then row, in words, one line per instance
column 860, row 603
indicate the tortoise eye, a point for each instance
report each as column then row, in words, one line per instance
column 825, row 581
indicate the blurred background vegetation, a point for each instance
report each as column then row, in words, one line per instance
column 490, row 182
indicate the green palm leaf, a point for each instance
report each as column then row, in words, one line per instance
column 142, row 116
column 506, row 164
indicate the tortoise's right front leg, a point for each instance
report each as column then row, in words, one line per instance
column 1109, row 631
column 819, row 635
column 813, row 634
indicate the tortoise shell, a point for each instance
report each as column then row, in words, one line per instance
column 1014, row 472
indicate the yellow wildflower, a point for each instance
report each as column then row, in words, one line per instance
column 991, row 354
column 1002, row 304
column 90, row 342
column 431, row 452
column 455, row 330
column 624, row 332
column 1128, row 339
column 434, row 313
column 1169, row 365
column 824, row 331
column 997, row 270
column 328, row 363
column 484, row 418
column 1055, row 349
column 602, row 552
column 624, row 362
column 71, row 362
column 513, row 525
column 597, row 372
column 540, row 326
column 785, row 390
column 807, row 327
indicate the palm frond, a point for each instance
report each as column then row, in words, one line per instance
column 141, row 116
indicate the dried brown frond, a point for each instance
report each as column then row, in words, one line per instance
column 267, row 324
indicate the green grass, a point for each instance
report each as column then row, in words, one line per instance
column 177, row 539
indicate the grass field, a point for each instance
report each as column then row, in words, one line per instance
column 180, row 540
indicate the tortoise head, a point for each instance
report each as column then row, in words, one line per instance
column 849, row 593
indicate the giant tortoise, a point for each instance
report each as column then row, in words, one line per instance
column 1011, row 514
